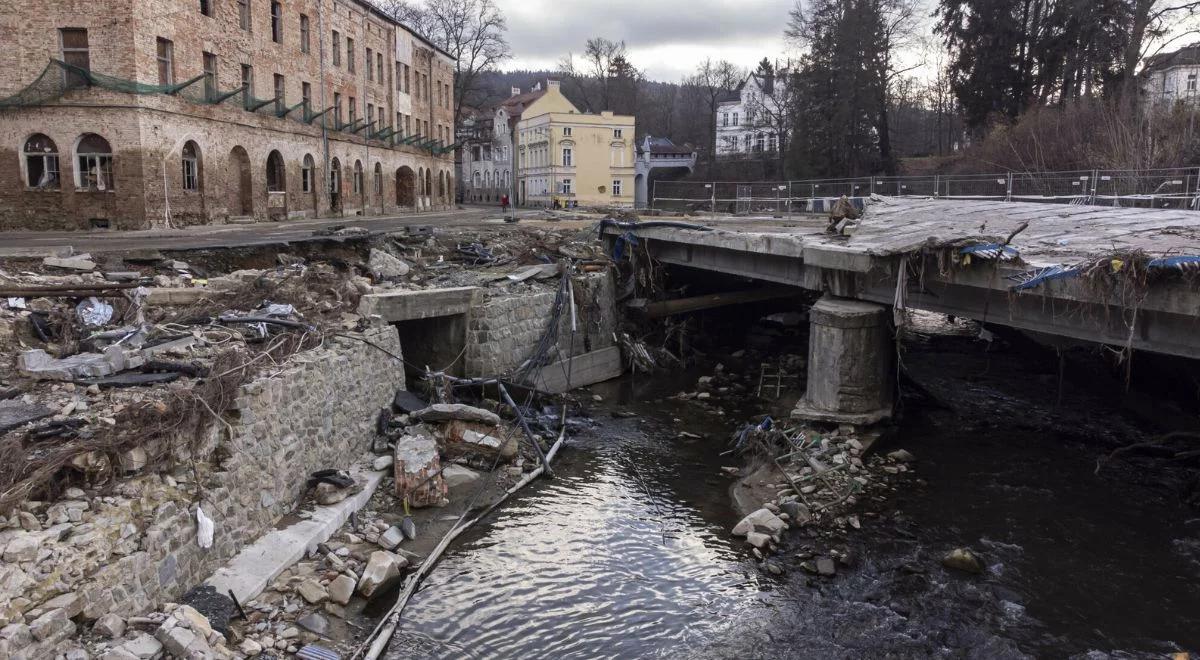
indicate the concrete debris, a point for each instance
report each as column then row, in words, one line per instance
column 446, row 412
column 80, row 262
column 15, row 413
column 110, row 625
column 473, row 438
column 384, row 266
column 762, row 521
column 39, row 364
column 341, row 589
column 457, row 476
column 417, row 468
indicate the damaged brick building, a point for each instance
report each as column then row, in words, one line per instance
column 142, row 114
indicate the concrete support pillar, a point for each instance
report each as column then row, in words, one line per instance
column 850, row 363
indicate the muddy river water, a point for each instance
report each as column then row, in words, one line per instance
column 627, row 553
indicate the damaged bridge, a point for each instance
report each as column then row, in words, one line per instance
column 1124, row 277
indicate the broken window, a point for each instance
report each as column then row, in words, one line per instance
column 305, row 39
column 349, row 54
column 307, row 174
column 335, row 177
column 337, row 109
column 41, row 163
column 378, row 179
column 276, row 174
column 277, row 22
column 358, row 177
column 210, row 76
column 206, row 7
column 191, row 166
column 306, row 96
column 75, row 53
column 370, row 69
column 353, row 109
column 1191, row 82
column 337, row 48
column 166, row 62
column 248, row 84
column 379, row 67
column 244, row 14
column 94, row 162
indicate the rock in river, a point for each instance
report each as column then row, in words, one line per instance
column 760, row 521
column 962, row 559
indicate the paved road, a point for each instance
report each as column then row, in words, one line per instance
column 24, row 244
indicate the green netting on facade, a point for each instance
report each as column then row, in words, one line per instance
column 58, row 78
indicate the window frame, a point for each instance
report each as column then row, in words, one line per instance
column 616, row 187
column 568, row 157
column 276, row 173
column 208, row 8
column 305, row 34
column 164, row 53
column 69, row 53
column 50, row 162
column 350, row 65
column 105, row 181
column 337, row 48
column 245, row 16
column 210, row 76
column 618, row 133
column 308, row 177
column 190, row 168
column 369, row 55
column 277, row 21
column 564, row 186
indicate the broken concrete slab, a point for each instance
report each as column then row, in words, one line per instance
column 381, row 567
column 448, row 412
column 175, row 295
column 477, row 439
column 582, row 370
column 78, row 262
column 15, row 412
column 457, row 476
column 39, row 364
column 396, row 306
column 259, row 563
column 131, row 379
column 406, row 402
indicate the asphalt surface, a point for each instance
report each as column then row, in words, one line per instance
column 37, row 244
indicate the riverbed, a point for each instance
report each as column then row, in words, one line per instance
column 627, row 552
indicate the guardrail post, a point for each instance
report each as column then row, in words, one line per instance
column 872, row 186
column 1008, row 189
column 1095, row 182
column 937, row 185
column 713, row 185
column 789, row 202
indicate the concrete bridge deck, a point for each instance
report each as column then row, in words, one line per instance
column 1123, row 303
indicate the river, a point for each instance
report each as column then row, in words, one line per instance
column 626, row 553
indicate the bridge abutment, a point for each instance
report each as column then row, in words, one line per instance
column 850, row 359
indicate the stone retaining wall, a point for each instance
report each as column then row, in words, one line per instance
column 503, row 330
column 129, row 549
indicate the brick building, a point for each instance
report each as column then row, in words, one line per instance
column 138, row 114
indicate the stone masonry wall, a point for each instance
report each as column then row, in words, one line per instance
column 131, row 548
column 504, row 330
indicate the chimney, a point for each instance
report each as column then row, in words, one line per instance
column 516, row 91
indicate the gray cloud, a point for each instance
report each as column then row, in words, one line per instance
column 542, row 31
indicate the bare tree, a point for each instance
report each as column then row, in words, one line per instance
column 1151, row 22
column 710, row 83
column 471, row 31
column 604, row 78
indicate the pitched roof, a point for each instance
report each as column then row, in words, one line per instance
column 662, row 145
column 1188, row 55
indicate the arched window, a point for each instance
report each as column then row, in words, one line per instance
column 421, row 181
column 276, row 174
column 441, row 185
column 428, row 182
column 41, row 163
column 379, row 179
column 191, row 166
column 94, row 160
column 358, row 177
column 307, row 174
column 335, row 176
column 478, row 180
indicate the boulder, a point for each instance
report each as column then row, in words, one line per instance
column 110, row 625
column 381, row 567
column 250, row 648
column 341, row 589
column 457, row 476
column 393, row 537
column 758, row 540
column 70, row 603
column 327, row 493
column 417, row 463
column 183, row 643
column 826, row 567
column 384, row 266
column 762, row 521
column 382, row 463
column 962, row 559
column 449, row 412
column 50, row 624
column 314, row 622
column 902, row 456
column 143, row 646
column 797, row 513
column 312, row 591
column 23, row 547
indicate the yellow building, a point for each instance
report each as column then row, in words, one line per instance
column 568, row 158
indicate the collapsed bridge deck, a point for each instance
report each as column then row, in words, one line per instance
column 1110, row 275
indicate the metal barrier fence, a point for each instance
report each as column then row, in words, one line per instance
column 1177, row 188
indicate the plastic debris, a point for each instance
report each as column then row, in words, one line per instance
column 94, row 312
column 1180, row 263
column 204, row 529
column 16, row 303
column 991, row 251
column 1036, row 278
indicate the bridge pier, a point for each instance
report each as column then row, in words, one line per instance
column 850, row 363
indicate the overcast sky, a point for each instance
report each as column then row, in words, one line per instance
column 665, row 38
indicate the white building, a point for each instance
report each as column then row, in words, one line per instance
column 750, row 120
column 1171, row 77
